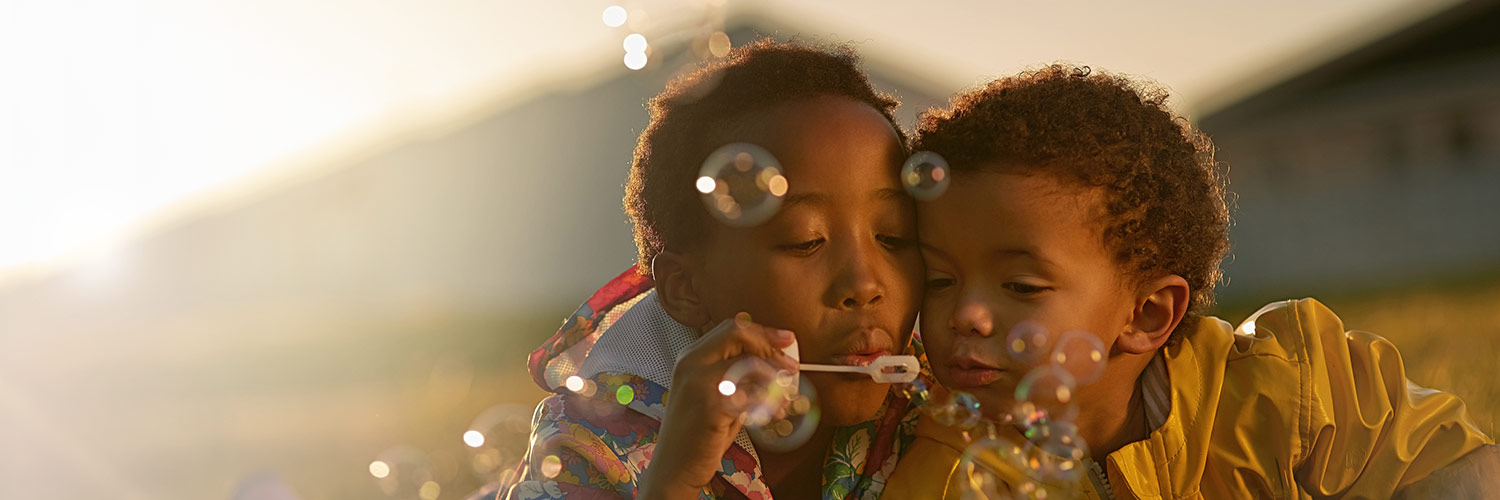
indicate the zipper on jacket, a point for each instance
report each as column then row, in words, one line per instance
column 1100, row 481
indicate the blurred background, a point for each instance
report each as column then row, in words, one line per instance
column 271, row 249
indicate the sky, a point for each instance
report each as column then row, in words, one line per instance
column 120, row 116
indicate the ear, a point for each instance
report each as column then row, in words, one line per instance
column 676, row 278
column 1160, row 305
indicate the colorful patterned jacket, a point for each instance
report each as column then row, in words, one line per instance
column 610, row 367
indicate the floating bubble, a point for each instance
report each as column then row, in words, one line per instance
column 990, row 466
column 615, row 16
column 1026, row 415
column 1058, row 451
column 961, row 410
column 401, row 471
column 758, row 389
column 742, row 184
column 1049, row 388
column 1027, row 342
column 926, row 175
column 1081, row 354
column 1030, row 489
column 915, row 391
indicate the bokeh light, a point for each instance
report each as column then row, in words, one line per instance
column 615, row 16
column 551, row 466
column 379, row 469
column 635, row 42
column 473, row 438
column 574, row 383
column 635, row 60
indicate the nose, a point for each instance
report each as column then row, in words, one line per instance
column 859, row 283
column 972, row 317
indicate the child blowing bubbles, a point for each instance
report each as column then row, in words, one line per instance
column 1079, row 202
column 836, row 268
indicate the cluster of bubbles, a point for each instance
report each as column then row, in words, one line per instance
column 1048, row 462
column 743, row 185
column 780, row 408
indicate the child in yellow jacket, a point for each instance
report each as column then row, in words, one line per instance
column 1080, row 203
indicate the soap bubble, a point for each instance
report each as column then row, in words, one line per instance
column 1050, row 389
column 781, row 408
column 742, row 184
column 989, row 466
column 915, row 391
column 1057, row 452
column 1081, row 354
column 926, row 175
column 1027, row 342
column 961, row 411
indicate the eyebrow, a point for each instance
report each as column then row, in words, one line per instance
column 889, row 194
column 1021, row 252
column 1000, row 253
column 792, row 200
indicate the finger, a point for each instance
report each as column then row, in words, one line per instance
column 739, row 336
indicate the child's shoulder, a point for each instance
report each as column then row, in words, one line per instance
column 1294, row 331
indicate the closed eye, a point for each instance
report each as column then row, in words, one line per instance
column 937, row 284
column 1024, row 289
column 895, row 242
column 806, row 247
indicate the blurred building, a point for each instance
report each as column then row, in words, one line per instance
column 1376, row 169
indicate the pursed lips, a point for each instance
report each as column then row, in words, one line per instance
column 865, row 344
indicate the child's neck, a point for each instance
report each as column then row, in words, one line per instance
column 1116, row 414
column 797, row 473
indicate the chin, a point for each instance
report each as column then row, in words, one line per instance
column 849, row 402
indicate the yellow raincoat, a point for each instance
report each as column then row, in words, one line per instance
column 1287, row 406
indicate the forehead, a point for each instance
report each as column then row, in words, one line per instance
column 823, row 140
column 987, row 212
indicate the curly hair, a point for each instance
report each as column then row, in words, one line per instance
column 659, row 196
column 1164, row 196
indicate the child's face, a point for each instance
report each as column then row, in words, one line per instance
column 838, row 264
column 1002, row 248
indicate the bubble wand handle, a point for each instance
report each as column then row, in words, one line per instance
column 885, row 369
column 808, row 367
